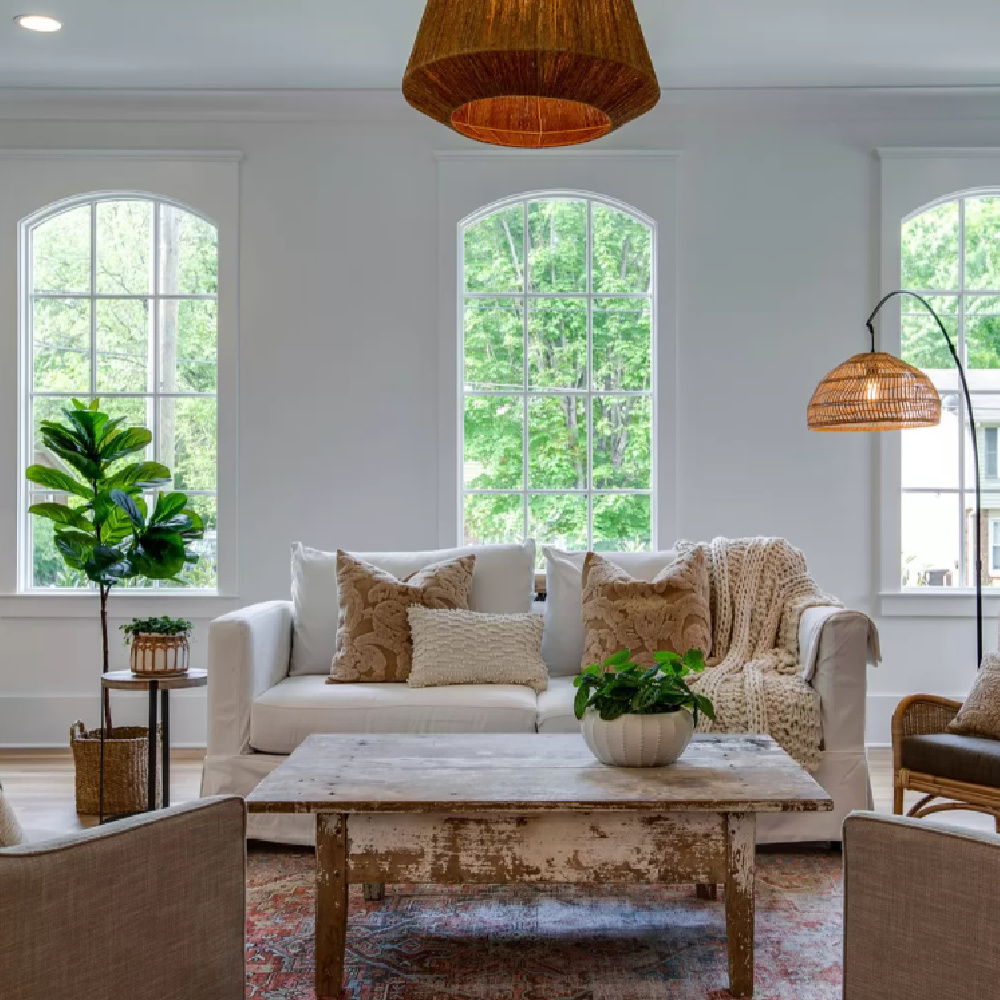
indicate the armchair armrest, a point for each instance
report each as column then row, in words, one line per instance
column 248, row 653
column 920, row 715
column 921, row 907
column 144, row 908
column 835, row 647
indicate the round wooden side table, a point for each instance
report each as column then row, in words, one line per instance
column 125, row 680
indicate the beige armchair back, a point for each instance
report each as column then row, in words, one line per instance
column 147, row 908
column 921, row 911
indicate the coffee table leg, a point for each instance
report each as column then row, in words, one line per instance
column 331, row 902
column 741, row 837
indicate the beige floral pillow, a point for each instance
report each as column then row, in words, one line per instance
column 620, row 612
column 980, row 712
column 373, row 640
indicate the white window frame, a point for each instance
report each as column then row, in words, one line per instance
column 913, row 180
column 527, row 393
column 642, row 180
column 206, row 182
column 155, row 297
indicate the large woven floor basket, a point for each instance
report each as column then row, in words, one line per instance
column 126, row 760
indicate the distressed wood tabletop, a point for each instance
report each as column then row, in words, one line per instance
column 458, row 773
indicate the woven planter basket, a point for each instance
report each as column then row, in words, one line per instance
column 155, row 655
column 126, row 761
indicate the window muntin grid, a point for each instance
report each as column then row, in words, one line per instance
column 587, row 295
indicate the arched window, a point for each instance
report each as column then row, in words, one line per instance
column 558, row 326
column 951, row 255
column 120, row 302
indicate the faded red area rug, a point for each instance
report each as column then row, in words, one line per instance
column 548, row 943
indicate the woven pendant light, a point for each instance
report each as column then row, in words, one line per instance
column 531, row 73
column 874, row 392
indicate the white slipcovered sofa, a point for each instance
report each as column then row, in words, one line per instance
column 268, row 665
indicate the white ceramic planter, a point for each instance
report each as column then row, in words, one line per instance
column 638, row 740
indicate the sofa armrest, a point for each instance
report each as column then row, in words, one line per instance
column 835, row 645
column 248, row 653
column 921, row 907
column 144, row 908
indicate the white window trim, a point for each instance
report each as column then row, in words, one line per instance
column 913, row 179
column 642, row 182
column 526, row 393
column 206, row 182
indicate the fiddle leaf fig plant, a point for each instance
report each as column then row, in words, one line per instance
column 620, row 687
column 105, row 529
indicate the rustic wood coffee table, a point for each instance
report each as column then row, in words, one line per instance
column 458, row 809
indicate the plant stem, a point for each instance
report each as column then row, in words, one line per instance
column 104, row 589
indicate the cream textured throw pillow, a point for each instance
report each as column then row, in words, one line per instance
column 373, row 640
column 670, row 613
column 980, row 713
column 469, row 647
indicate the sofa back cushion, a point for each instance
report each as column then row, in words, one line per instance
column 562, row 645
column 502, row 583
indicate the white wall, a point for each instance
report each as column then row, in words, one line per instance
column 777, row 265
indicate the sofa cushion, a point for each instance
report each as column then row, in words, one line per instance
column 562, row 645
column 374, row 641
column 502, row 583
column 470, row 647
column 621, row 613
column 282, row 717
column 980, row 714
column 972, row 759
column 555, row 707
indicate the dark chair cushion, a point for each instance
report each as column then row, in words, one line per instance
column 972, row 759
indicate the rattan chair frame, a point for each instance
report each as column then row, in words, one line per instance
column 929, row 715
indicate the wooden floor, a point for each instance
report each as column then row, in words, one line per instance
column 39, row 785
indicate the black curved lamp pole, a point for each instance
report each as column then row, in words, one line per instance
column 977, row 527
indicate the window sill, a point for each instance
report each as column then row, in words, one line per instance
column 183, row 604
column 925, row 602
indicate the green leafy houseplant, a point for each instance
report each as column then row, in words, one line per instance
column 156, row 626
column 106, row 530
column 620, row 687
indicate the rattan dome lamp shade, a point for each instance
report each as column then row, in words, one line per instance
column 531, row 73
column 874, row 391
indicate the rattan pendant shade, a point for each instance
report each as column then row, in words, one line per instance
column 531, row 73
column 874, row 392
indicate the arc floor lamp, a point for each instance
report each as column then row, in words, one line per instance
column 874, row 391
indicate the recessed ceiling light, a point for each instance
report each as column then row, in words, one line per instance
column 38, row 22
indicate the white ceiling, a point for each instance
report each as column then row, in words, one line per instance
column 260, row 44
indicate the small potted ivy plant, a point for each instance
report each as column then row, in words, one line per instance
column 638, row 716
column 160, row 646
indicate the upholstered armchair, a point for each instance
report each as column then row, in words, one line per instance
column 141, row 909
column 953, row 772
column 921, row 908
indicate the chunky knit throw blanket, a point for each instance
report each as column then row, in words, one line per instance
column 759, row 589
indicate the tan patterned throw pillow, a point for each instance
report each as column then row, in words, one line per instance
column 620, row 612
column 373, row 640
column 980, row 712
